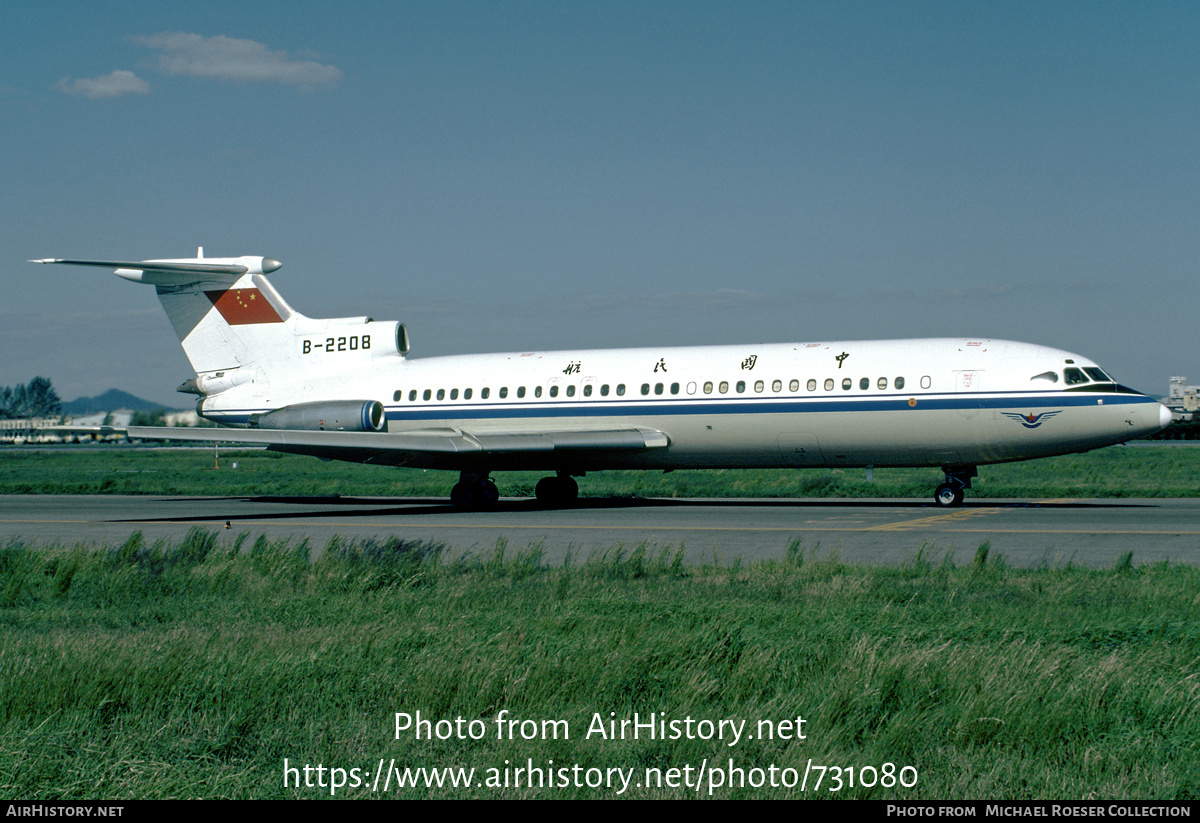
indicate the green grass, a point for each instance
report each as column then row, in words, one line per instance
column 1146, row 470
column 195, row 669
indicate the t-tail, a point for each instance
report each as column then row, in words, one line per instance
column 251, row 351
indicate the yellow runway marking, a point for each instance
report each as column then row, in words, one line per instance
column 922, row 522
column 950, row 517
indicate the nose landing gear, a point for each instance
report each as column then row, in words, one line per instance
column 958, row 480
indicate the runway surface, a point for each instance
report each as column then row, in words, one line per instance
column 1026, row 533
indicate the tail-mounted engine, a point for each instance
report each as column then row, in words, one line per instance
column 340, row 415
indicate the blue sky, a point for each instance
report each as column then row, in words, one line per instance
column 529, row 175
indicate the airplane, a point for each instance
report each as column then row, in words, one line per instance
column 347, row 389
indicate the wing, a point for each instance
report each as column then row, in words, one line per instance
column 426, row 448
column 28, row 428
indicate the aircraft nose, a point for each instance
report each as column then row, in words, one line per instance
column 1164, row 416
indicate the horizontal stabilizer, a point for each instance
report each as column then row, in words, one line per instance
column 163, row 266
column 180, row 271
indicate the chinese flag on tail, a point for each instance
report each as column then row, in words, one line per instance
column 243, row 307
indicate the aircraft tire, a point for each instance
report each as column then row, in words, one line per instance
column 462, row 496
column 491, row 494
column 473, row 496
column 570, row 490
column 556, row 492
column 948, row 495
column 546, row 491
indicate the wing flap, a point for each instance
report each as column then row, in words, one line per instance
column 571, row 440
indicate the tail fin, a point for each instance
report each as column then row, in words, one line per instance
column 190, row 289
column 236, row 330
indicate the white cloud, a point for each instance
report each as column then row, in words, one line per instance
column 230, row 58
column 116, row 84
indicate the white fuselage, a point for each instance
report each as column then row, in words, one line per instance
column 923, row 402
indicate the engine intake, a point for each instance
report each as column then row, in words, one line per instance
column 340, row 415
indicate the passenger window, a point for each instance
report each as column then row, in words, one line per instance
column 554, row 391
column 741, row 386
column 396, row 397
column 454, row 394
column 466, row 394
column 587, row 390
column 412, row 395
column 724, row 387
column 899, row 383
column 504, row 392
column 778, row 386
column 571, row 391
column 882, row 383
column 847, row 384
column 674, row 388
column 537, row 391
column 604, row 390
column 828, row 384
column 428, row 394
column 812, row 385
column 484, row 393
column 925, row 381
column 865, row 383
column 645, row 388
column 441, row 395
column 708, row 387
column 620, row 390
column 758, row 385
column 658, row 388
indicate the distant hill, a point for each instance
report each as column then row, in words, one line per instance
column 111, row 400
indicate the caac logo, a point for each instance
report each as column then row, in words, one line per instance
column 1031, row 421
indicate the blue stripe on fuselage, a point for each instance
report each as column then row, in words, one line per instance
column 773, row 405
column 669, row 406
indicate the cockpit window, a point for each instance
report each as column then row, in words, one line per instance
column 1051, row 376
column 1074, row 376
column 1098, row 375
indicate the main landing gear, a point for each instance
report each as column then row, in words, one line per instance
column 557, row 492
column 478, row 491
column 958, row 480
column 474, row 491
